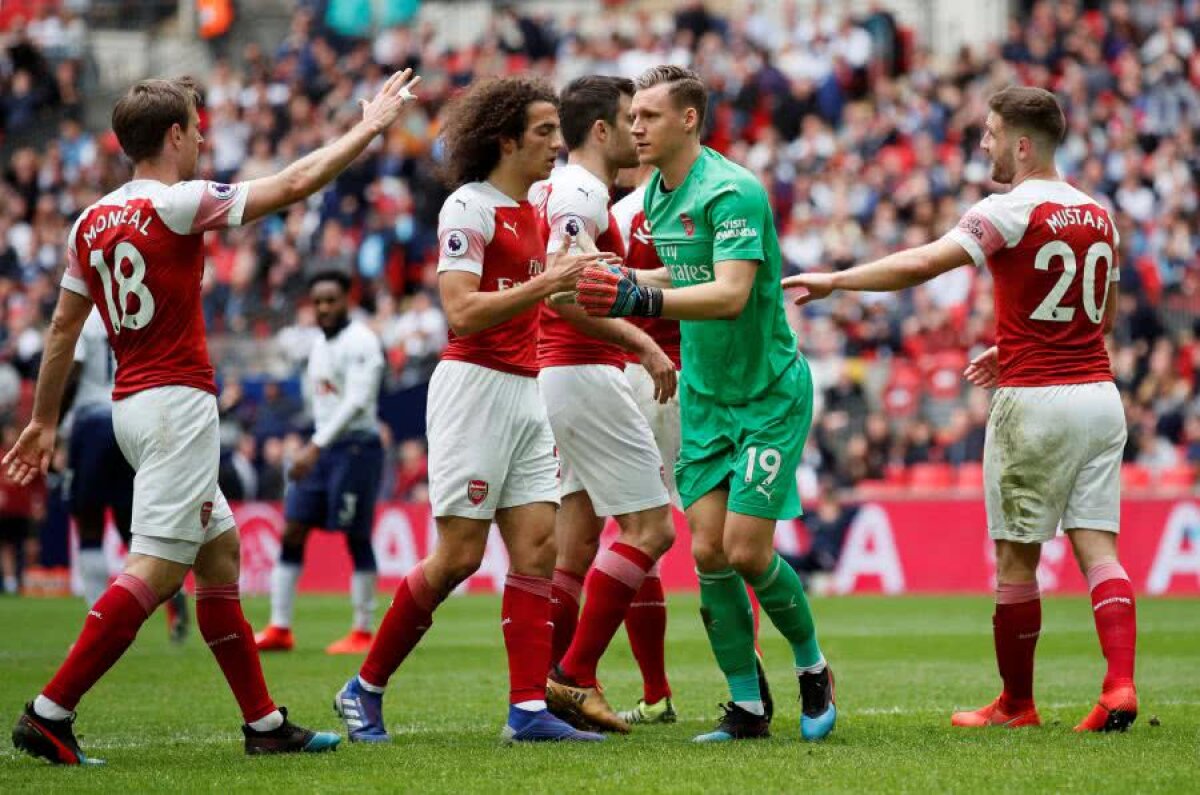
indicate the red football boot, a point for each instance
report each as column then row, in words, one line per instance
column 274, row 639
column 1115, row 712
column 357, row 642
column 993, row 715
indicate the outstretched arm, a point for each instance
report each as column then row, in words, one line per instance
column 897, row 271
column 316, row 169
column 612, row 292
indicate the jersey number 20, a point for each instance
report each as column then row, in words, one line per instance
column 131, row 285
column 1050, row 308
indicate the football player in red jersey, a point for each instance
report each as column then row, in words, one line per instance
column 491, row 450
column 610, row 463
column 1056, row 430
column 138, row 255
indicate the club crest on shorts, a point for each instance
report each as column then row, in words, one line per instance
column 689, row 226
column 205, row 514
column 477, row 491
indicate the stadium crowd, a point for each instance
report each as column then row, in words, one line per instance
column 866, row 142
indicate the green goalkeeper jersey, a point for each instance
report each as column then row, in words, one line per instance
column 721, row 212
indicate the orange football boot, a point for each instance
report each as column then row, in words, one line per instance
column 274, row 639
column 1115, row 712
column 992, row 715
column 357, row 642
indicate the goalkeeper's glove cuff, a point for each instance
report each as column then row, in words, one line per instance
column 649, row 302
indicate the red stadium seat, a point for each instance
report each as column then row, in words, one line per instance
column 1135, row 477
column 931, row 477
column 1178, row 478
column 970, row 476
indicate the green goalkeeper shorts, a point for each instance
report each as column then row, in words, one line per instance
column 753, row 449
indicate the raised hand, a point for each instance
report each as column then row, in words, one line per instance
column 984, row 370
column 385, row 107
column 812, row 286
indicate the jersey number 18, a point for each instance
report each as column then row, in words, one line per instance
column 131, row 285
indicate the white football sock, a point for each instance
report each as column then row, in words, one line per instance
column 93, row 572
column 370, row 688
column 816, row 668
column 531, row 706
column 47, row 709
column 268, row 722
column 283, row 593
column 753, row 707
column 362, row 599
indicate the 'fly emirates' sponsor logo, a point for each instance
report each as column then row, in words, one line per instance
column 536, row 266
column 683, row 272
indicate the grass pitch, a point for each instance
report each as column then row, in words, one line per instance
column 165, row 721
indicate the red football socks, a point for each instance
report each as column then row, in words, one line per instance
column 408, row 618
column 615, row 579
column 109, row 629
column 1016, row 626
column 1115, row 613
column 564, row 610
column 525, row 620
column 231, row 640
column 646, row 623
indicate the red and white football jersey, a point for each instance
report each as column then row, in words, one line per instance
column 1052, row 252
column 630, row 216
column 138, row 254
column 485, row 232
column 572, row 199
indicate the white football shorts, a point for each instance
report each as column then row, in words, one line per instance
column 169, row 436
column 1053, row 454
column 604, row 443
column 490, row 445
column 664, row 423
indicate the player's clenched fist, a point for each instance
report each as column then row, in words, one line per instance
column 611, row 291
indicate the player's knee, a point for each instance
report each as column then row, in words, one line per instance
column 748, row 559
column 708, row 553
column 362, row 553
column 535, row 555
column 294, row 536
column 219, row 561
column 458, row 564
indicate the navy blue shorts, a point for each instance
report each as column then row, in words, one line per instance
column 100, row 476
column 340, row 492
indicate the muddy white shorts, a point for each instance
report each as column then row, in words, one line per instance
column 663, row 419
column 169, row 436
column 1053, row 454
column 490, row 445
column 604, row 443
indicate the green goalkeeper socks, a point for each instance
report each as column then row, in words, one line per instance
column 781, row 595
column 729, row 622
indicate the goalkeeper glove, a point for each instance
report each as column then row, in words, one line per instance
column 611, row 291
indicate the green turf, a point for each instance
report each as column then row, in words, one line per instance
column 164, row 720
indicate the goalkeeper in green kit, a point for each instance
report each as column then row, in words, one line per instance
column 745, row 393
